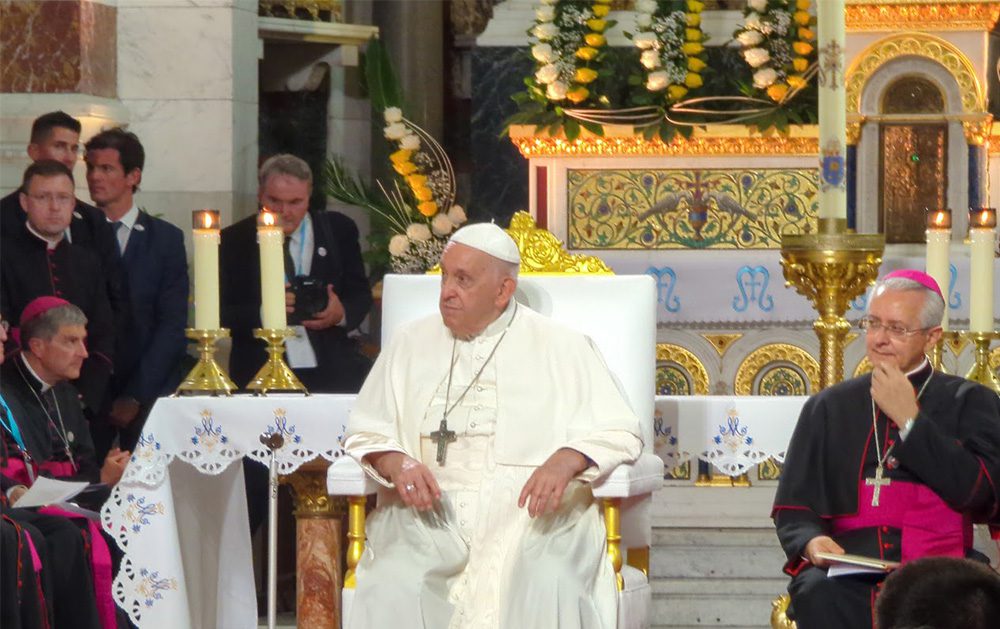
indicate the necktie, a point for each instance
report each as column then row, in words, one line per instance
column 117, row 228
column 289, row 264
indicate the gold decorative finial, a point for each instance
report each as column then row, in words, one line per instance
column 542, row 252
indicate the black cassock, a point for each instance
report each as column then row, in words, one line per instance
column 953, row 449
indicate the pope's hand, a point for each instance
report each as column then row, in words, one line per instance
column 114, row 466
column 543, row 491
column 821, row 544
column 329, row 316
column 893, row 393
column 414, row 482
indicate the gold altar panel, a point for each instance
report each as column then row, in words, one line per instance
column 914, row 159
column 689, row 209
column 777, row 369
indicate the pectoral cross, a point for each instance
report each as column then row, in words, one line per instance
column 443, row 436
column 877, row 482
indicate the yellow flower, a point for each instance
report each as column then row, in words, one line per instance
column 806, row 34
column 800, row 64
column 676, row 92
column 692, row 34
column 692, row 48
column 801, row 18
column 417, row 181
column 777, row 91
column 802, row 5
column 601, row 10
column 586, row 53
column 423, row 193
column 796, row 82
column 693, row 80
column 595, row 39
column 597, row 25
column 802, row 48
column 585, row 75
column 578, row 94
column 428, row 208
column 693, row 19
column 400, row 156
column 694, row 6
column 695, row 64
column 405, row 168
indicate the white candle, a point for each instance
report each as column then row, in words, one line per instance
column 982, row 233
column 272, row 271
column 206, row 269
column 830, row 27
column 938, row 241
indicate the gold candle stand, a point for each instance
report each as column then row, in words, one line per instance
column 830, row 269
column 275, row 375
column 981, row 371
column 936, row 356
column 207, row 377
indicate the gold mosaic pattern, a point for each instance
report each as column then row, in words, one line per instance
column 588, row 145
column 721, row 342
column 689, row 209
column 777, row 369
column 937, row 16
column 679, row 371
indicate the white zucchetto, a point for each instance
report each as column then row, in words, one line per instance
column 490, row 239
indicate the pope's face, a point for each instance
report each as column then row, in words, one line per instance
column 288, row 197
column 61, row 144
column 474, row 290
column 62, row 356
column 49, row 203
column 899, row 308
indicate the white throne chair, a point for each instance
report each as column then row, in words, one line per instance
column 618, row 314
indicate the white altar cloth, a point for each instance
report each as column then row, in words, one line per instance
column 733, row 433
column 180, row 514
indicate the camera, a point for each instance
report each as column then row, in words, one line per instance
column 310, row 298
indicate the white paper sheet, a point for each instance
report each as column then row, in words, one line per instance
column 46, row 491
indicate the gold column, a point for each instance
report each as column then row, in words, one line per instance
column 317, row 539
column 355, row 537
column 613, row 524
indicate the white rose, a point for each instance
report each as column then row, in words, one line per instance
column 456, row 214
column 545, row 13
column 399, row 245
column 752, row 21
column 758, row 5
column 396, row 131
column 650, row 59
column 442, row 225
column 543, row 53
column 750, row 38
column 545, row 31
column 547, row 73
column 756, row 57
column 657, row 81
column 410, row 142
column 556, row 90
column 645, row 6
column 644, row 20
column 644, row 40
column 393, row 114
column 418, row 232
column 764, row 78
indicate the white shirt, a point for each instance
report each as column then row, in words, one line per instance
column 301, row 244
column 125, row 229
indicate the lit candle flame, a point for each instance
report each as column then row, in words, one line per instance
column 206, row 218
column 939, row 219
column 984, row 217
column 267, row 218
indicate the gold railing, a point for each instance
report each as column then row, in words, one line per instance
column 311, row 10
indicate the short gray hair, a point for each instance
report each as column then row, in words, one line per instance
column 47, row 324
column 284, row 164
column 932, row 312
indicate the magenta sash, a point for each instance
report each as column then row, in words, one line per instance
column 17, row 471
column 930, row 528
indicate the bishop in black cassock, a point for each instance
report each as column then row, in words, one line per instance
column 941, row 463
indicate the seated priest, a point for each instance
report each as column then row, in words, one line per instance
column 485, row 425
column 896, row 465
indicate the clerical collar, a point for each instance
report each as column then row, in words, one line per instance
column 500, row 323
column 49, row 243
column 917, row 374
column 42, row 385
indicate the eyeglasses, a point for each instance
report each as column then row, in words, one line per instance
column 48, row 197
column 894, row 330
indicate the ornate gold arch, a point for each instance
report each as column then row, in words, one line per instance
column 863, row 367
column 917, row 45
column 766, row 355
column 687, row 362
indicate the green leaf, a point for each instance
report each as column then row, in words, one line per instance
column 572, row 129
column 380, row 79
column 594, row 127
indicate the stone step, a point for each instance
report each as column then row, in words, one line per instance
column 694, row 587
column 714, row 536
column 718, row 609
column 717, row 562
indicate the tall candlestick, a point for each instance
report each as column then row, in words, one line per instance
column 938, row 242
column 982, row 234
column 205, row 225
column 272, row 271
column 832, row 115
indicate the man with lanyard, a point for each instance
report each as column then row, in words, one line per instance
column 894, row 465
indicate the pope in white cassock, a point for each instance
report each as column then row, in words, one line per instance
column 494, row 525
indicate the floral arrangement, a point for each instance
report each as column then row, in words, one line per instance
column 670, row 38
column 778, row 44
column 567, row 41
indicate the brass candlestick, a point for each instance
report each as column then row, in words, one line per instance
column 207, row 377
column 831, row 268
column 982, row 372
column 936, row 356
column 275, row 375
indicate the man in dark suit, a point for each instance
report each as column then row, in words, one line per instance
column 152, row 343
column 56, row 136
column 320, row 245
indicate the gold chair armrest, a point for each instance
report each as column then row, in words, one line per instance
column 355, row 536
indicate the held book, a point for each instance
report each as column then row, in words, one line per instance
column 841, row 565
